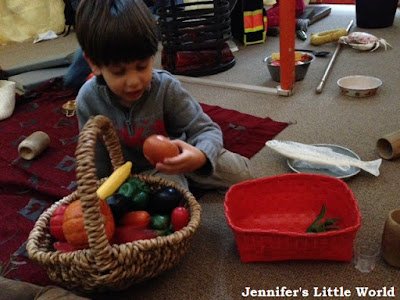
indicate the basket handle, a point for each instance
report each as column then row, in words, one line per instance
column 88, row 183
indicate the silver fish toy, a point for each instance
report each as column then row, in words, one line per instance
column 321, row 155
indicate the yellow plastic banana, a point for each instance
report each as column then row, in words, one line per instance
column 116, row 179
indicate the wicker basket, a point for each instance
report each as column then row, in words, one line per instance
column 270, row 216
column 103, row 266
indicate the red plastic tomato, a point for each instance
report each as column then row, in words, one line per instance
column 139, row 219
column 56, row 222
column 158, row 147
column 179, row 218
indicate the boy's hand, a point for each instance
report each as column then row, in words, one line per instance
column 189, row 160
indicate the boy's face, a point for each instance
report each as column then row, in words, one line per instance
column 126, row 80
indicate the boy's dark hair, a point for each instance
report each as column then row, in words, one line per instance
column 116, row 31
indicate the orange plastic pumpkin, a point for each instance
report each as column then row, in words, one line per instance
column 73, row 224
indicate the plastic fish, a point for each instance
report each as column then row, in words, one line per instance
column 322, row 155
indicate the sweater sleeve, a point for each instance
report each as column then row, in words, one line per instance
column 186, row 120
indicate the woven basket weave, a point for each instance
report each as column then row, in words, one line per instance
column 103, row 266
column 269, row 218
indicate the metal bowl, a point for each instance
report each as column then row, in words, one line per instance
column 359, row 85
column 300, row 70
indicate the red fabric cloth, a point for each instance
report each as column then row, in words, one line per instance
column 244, row 134
column 27, row 188
column 273, row 12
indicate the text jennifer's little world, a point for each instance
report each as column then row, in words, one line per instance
column 320, row 292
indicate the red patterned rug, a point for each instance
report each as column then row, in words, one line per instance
column 27, row 188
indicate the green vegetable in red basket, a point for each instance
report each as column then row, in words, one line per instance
column 56, row 222
column 160, row 222
column 164, row 200
column 179, row 218
column 319, row 226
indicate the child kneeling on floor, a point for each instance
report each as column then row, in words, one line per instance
column 119, row 41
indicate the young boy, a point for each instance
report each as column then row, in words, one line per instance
column 119, row 41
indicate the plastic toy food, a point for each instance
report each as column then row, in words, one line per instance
column 119, row 205
column 299, row 58
column 73, row 224
column 115, row 180
column 127, row 234
column 63, row 246
column 277, row 56
column 158, row 147
column 363, row 41
column 322, row 156
column 179, row 218
column 136, row 192
column 56, row 222
column 321, row 225
column 138, row 219
column 327, row 36
column 160, row 222
column 164, row 200
column 133, row 212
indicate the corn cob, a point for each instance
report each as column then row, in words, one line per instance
column 327, row 36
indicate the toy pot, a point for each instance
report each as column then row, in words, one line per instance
column 391, row 239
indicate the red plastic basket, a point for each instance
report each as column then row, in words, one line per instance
column 270, row 216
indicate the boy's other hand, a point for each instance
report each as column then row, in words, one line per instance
column 189, row 160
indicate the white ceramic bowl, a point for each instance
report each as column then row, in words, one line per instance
column 359, row 85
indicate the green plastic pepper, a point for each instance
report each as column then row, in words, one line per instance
column 140, row 185
column 128, row 189
column 140, row 201
column 160, row 222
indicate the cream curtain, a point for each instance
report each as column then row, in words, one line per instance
column 24, row 19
